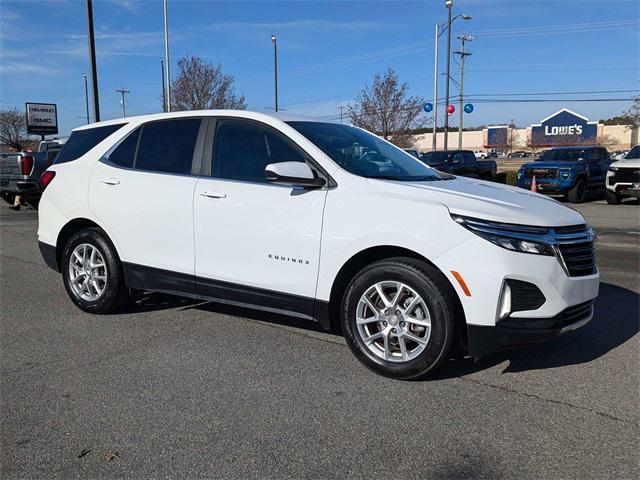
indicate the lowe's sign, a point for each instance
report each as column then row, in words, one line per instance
column 564, row 128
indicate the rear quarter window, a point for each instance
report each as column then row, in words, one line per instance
column 81, row 141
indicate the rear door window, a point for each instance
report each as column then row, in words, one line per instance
column 81, row 141
column 124, row 154
column 167, row 146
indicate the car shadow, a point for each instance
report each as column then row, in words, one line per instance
column 616, row 320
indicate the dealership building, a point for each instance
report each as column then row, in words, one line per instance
column 563, row 128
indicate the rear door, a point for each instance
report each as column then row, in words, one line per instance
column 256, row 242
column 142, row 193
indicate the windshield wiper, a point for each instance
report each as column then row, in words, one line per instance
column 405, row 179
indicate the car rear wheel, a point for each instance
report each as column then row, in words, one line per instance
column 92, row 272
column 398, row 318
column 579, row 192
column 613, row 198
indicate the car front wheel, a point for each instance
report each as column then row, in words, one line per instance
column 398, row 318
column 613, row 198
column 92, row 272
column 578, row 193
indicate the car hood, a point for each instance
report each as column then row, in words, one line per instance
column 549, row 165
column 486, row 200
column 631, row 163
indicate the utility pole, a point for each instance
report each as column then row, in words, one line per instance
column 86, row 95
column 434, row 144
column 164, row 93
column 463, row 38
column 92, row 61
column 122, row 91
column 274, row 40
column 341, row 107
column 448, row 4
column 166, row 56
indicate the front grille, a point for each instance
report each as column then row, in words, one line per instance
column 541, row 173
column 579, row 258
column 625, row 175
column 576, row 313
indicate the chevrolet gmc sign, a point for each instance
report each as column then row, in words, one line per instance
column 42, row 118
column 564, row 128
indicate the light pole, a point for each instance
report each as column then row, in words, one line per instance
column 86, row 95
column 166, row 56
column 164, row 90
column 274, row 40
column 463, row 38
column 92, row 61
column 440, row 29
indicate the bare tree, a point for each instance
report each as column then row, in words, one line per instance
column 634, row 113
column 513, row 136
column 203, row 86
column 13, row 129
column 385, row 108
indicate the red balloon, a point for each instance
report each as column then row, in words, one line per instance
column 451, row 109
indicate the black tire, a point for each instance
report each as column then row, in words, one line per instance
column 613, row 198
column 116, row 294
column 10, row 198
column 438, row 296
column 579, row 191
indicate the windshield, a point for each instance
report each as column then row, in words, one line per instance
column 633, row 153
column 365, row 154
column 435, row 158
column 568, row 155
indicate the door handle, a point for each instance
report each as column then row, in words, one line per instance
column 213, row 194
column 110, row 181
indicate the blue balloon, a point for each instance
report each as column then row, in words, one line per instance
column 427, row 107
column 468, row 108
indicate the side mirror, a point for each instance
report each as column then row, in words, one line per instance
column 293, row 173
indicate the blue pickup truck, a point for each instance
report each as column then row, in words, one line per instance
column 570, row 171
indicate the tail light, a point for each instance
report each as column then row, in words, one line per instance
column 26, row 165
column 45, row 179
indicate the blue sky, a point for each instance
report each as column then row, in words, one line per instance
column 327, row 51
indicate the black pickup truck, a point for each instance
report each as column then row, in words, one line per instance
column 460, row 162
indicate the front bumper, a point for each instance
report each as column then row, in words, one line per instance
column 546, row 185
column 485, row 268
column 518, row 332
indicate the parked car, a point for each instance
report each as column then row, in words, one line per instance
column 570, row 171
column 623, row 177
column 460, row 162
column 618, row 154
column 412, row 151
column 518, row 154
column 322, row 221
column 480, row 153
column 20, row 174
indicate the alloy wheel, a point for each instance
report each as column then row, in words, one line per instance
column 393, row 321
column 87, row 272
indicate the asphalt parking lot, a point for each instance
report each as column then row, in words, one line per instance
column 177, row 388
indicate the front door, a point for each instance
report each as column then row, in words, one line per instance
column 256, row 242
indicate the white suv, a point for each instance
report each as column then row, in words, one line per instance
column 322, row 221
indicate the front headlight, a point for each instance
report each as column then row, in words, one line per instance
column 520, row 173
column 517, row 238
column 613, row 169
column 565, row 173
